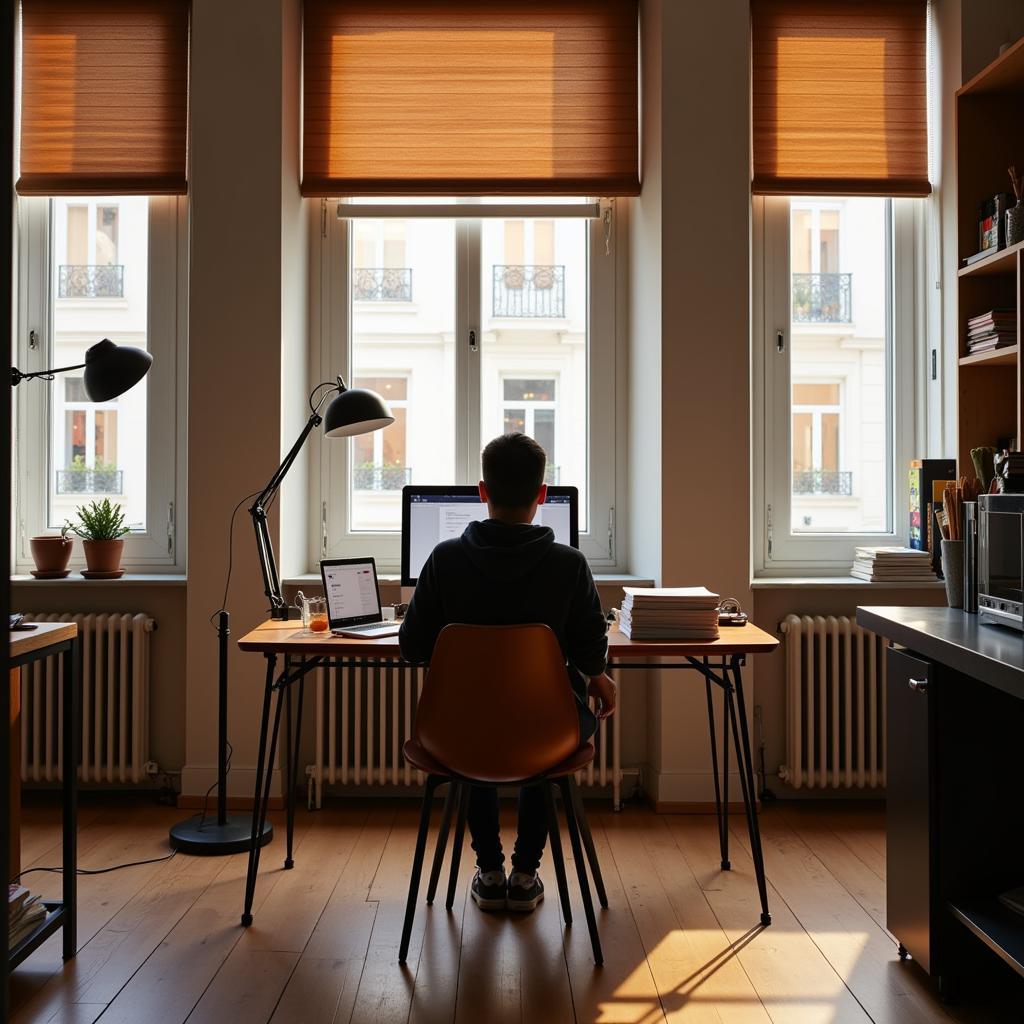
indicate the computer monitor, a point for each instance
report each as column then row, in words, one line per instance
column 433, row 514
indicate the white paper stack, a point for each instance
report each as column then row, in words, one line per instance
column 25, row 913
column 893, row 565
column 669, row 613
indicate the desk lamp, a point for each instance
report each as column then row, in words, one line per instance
column 110, row 370
column 352, row 411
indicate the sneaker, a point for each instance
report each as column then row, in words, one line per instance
column 488, row 889
column 524, row 891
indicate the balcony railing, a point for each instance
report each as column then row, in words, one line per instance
column 90, row 481
column 822, row 299
column 823, row 481
column 382, row 284
column 380, row 478
column 528, row 291
column 85, row 281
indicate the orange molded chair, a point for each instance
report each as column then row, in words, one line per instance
column 538, row 744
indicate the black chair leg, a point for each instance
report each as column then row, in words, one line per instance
column 588, row 842
column 555, row 842
column 581, row 869
column 460, row 831
column 417, row 865
column 442, row 839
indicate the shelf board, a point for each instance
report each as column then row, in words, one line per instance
column 997, row 926
column 55, row 914
column 1002, row 262
column 1004, row 75
column 997, row 357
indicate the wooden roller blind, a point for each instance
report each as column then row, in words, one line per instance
column 459, row 97
column 104, row 97
column 839, row 97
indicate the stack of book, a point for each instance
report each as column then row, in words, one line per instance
column 669, row 613
column 893, row 565
column 25, row 913
column 995, row 329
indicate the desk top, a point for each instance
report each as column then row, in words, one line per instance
column 276, row 637
column 45, row 635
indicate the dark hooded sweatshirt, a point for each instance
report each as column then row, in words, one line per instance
column 499, row 574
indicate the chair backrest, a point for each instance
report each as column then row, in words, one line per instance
column 496, row 704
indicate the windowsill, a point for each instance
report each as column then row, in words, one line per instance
column 830, row 582
column 609, row 580
column 128, row 579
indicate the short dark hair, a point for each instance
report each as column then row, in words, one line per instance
column 513, row 467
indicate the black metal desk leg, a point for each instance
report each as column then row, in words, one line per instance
column 287, row 782
column 71, row 677
column 293, row 763
column 739, row 711
column 257, row 828
column 723, row 830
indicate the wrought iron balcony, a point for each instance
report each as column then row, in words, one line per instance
column 87, row 281
column 90, row 481
column 528, row 291
column 380, row 478
column 833, row 482
column 382, row 284
column 822, row 299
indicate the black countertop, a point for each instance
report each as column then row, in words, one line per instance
column 990, row 654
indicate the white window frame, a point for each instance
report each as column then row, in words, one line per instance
column 161, row 547
column 331, row 355
column 776, row 550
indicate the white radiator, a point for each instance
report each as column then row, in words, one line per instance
column 364, row 716
column 835, row 703
column 114, row 702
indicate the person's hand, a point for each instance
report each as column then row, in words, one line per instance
column 603, row 689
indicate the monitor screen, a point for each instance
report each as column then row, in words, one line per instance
column 350, row 587
column 433, row 514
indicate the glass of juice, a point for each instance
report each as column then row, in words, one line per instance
column 317, row 614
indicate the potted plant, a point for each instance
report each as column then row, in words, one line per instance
column 101, row 527
column 51, row 554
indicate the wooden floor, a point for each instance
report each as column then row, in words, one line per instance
column 162, row 944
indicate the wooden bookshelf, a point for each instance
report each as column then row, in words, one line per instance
column 989, row 138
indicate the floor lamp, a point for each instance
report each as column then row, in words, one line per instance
column 351, row 411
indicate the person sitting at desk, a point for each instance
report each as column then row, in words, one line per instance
column 506, row 571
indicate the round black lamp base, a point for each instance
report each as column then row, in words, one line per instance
column 213, row 840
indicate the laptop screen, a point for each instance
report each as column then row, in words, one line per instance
column 350, row 586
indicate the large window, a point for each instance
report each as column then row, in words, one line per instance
column 93, row 268
column 469, row 327
column 834, row 360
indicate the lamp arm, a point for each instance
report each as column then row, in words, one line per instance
column 17, row 376
column 258, row 509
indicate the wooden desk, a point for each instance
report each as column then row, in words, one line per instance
column 50, row 638
column 719, row 661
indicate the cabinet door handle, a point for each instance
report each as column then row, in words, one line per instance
column 918, row 685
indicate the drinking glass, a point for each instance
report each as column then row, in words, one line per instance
column 317, row 608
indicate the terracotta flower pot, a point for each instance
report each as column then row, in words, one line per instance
column 51, row 554
column 103, row 555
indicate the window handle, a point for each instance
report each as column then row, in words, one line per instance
column 780, row 340
column 473, row 347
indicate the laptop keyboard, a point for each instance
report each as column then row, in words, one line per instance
column 372, row 629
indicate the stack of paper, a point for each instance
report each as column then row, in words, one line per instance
column 994, row 329
column 25, row 913
column 893, row 565
column 669, row 613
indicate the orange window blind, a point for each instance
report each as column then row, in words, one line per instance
column 840, row 97
column 104, row 97
column 458, row 97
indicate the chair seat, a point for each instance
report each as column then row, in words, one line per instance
column 424, row 762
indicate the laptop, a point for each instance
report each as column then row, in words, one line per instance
column 353, row 598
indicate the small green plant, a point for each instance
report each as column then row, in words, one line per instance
column 99, row 520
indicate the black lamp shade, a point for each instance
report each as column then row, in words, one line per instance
column 110, row 370
column 356, row 411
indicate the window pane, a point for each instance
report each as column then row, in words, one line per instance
column 407, row 355
column 535, row 349
column 98, row 449
column 841, row 467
